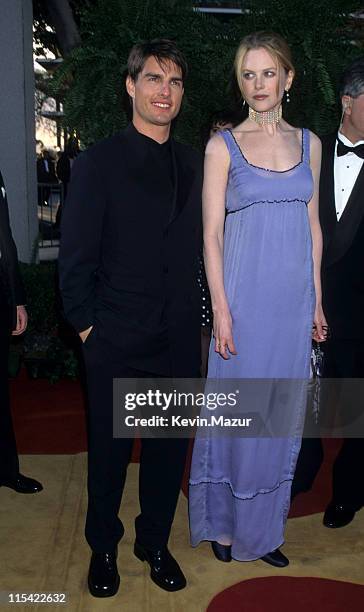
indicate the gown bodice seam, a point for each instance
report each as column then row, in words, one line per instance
column 238, row 160
column 303, row 160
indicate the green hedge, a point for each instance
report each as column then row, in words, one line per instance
column 48, row 348
column 91, row 80
column 40, row 282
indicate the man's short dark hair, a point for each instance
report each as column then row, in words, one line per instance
column 162, row 49
column 352, row 80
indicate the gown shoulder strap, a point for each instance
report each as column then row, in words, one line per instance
column 306, row 145
column 228, row 139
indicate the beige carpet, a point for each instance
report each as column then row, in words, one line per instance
column 42, row 548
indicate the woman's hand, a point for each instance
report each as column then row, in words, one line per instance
column 223, row 334
column 320, row 327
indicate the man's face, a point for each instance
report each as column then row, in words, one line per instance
column 157, row 93
column 353, row 121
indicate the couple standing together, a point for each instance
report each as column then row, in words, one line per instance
column 128, row 270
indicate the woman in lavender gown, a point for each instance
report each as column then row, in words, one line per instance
column 262, row 247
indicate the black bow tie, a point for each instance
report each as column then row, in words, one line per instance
column 342, row 149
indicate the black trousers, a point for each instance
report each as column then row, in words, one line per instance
column 162, row 461
column 9, row 463
column 343, row 359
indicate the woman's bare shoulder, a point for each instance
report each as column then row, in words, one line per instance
column 243, row 128
column 217, row 147
column 315, row 140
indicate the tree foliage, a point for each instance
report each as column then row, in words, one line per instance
column 322, row 45
column 95, row 104
column 55, row 25
column 93, row 75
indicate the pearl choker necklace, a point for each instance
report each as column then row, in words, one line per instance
column 271, row 117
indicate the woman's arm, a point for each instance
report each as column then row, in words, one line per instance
column 319, row 333
column 217, row 163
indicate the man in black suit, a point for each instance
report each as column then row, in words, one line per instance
column 128, row 275
column 46, row 174
column 342, row 222
column 63, row 168
column 13, row 319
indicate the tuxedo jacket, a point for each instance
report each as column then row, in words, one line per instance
column 10, row 279
column 123, row 268
column 343, row 252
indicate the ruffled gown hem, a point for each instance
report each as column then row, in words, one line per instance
column 235, row 494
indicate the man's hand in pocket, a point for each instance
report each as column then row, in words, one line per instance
column 83, row 335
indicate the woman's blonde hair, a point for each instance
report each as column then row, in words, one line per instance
column 271, row 42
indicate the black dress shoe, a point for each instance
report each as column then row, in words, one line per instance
column 222, row 552
column 103, row 576
column 22, row 484
column 164, row 569
column 276, row 558
column 338, row 515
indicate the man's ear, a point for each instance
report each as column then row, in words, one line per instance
column 346, row 104
column 130, row 86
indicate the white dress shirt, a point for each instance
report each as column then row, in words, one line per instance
column 346, row 171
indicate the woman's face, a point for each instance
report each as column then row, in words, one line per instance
column 264, row 81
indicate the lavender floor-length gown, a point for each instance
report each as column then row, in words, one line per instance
column 240, row 487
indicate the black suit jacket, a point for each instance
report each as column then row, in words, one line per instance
column 46, row 171
column 122, row 267
column 10, row 279
column 64, row 168
column 343, row 255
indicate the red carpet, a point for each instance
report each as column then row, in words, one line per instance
column 285, row 594
column 50, row 419
column 317, row 499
